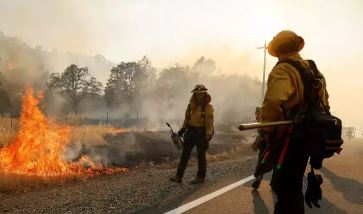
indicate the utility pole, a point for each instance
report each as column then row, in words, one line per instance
column 107, row 119
column 264, row 72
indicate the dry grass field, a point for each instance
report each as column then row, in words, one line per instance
column 90, row 134
column 86, row 134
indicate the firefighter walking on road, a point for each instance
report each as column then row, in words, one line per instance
column 283, row 99
column 197, row 130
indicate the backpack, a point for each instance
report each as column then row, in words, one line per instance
column 321, row 130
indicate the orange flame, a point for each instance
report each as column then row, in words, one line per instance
column 37, row 147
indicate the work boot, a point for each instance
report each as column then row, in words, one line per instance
column 257, row 182
column 176, row 179
column 197, row 180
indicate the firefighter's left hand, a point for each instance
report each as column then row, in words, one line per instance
column 181, row 132
column 313, row 192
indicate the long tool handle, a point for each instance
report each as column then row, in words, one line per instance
column 171, row 129
column 247, row 126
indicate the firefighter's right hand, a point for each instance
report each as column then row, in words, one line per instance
column 313, row 192
column 181, row 131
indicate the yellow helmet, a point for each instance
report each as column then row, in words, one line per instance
column 199, row 88
column 284, row 42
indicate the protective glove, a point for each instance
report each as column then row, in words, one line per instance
column 313, row 193
column 181, row 131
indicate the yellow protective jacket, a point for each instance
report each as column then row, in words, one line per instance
column 194, row 117
column 285, row 88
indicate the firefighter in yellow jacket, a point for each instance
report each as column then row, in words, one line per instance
column 197, row 130
column 284, row 96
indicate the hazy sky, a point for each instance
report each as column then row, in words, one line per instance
column 171, row 31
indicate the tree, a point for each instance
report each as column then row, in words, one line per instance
column 173, row 83
column 126, row 80
column 75, row 84
column 204, row 66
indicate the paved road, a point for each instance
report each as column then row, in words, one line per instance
column 342, row 189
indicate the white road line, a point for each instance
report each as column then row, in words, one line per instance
column 208, row 197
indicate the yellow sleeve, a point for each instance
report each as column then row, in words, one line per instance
column 209, row 119
column 279, row 88
column 186, row 118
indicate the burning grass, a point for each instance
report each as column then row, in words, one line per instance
column 93, row 134
column 90, row 134
column 34, row 155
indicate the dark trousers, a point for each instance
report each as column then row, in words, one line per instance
column 194, row 137
column 287, row 182
column 261, row 149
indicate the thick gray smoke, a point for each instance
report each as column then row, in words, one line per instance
column 162, row 97
column 23, row 66
column 234, row 97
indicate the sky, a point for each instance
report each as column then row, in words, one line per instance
column 229, row 31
